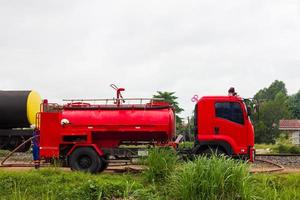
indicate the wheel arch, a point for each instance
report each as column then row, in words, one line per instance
column 223, row 145
column 93, row 146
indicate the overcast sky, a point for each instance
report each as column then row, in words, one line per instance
column 68, row 49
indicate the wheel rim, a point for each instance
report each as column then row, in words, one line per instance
column 84, row 162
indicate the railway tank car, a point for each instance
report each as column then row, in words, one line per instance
column 18, row 111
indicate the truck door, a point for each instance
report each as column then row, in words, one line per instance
column 229, row 122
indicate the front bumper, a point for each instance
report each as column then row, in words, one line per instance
column 251, row 154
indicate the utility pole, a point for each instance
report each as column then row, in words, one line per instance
column 189, row 129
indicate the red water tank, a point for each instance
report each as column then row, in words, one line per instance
column 108, row 126
column 114, row 124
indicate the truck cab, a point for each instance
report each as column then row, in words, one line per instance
column 223, row 125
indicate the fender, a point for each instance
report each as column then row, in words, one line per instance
column 220, row 143
column 226, row 142
column 95, row 147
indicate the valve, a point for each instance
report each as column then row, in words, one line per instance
column 119, row 95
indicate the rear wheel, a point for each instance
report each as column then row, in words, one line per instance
column 86, row 159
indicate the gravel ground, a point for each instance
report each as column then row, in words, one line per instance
column 18, row 157
column 286, row 161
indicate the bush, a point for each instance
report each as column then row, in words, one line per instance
column 161, row 163
column 294, row 149
column 211, row 178
column 284, row 148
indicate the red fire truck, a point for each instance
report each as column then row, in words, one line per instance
column 85, row 133
column 223, row 125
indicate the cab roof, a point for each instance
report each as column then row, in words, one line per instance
column 222, row 98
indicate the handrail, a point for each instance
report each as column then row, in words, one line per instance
column 114, row 99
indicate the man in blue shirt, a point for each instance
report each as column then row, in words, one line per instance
column 36, row 148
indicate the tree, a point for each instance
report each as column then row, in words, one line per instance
column 273, row 106
column 271, row 92
column 170, row 98
column 294, row 105
column 266, row 128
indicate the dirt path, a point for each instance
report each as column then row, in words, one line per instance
column 110, row 169
column 139, row 168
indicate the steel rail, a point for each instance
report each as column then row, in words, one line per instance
column 278, row 155
column 16, row 149
column 279, row 167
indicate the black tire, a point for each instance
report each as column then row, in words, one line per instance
column 85, row 159
column 104, row 164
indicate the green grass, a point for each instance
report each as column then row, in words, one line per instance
column 277, row 186
column 211, row 178
column 264, row 146
column 279, row 148
column 203, row 178
column 287, row 148
column 184, row 145
column 57, row 184
column 161, row 163
column 3, row 153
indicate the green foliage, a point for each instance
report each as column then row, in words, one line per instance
column 277, row 186
column 187, row 145
column 294, row 105
column 286, row 148
column 283, row 145
column 188, row 129
column 56, row 184
column 211, row 178
column 274, row 105
column 271, row 92
column 264, row 146
column 172, row 99
column 161, row 163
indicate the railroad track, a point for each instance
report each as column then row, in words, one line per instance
column 279, row 155
column 279, row 162
column 264, row 163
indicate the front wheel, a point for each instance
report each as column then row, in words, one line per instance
column 213, row 151
column 104, row 165
column 86, row 159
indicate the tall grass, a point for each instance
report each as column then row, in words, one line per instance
column 57, row 184
column 204, row 178
column 277, row 186
column 211, row 178
column 161, row 163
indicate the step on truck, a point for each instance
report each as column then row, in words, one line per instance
column 86, row 133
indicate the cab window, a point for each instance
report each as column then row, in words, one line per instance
column 231, row 111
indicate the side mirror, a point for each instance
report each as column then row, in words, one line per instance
column 249, row 111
